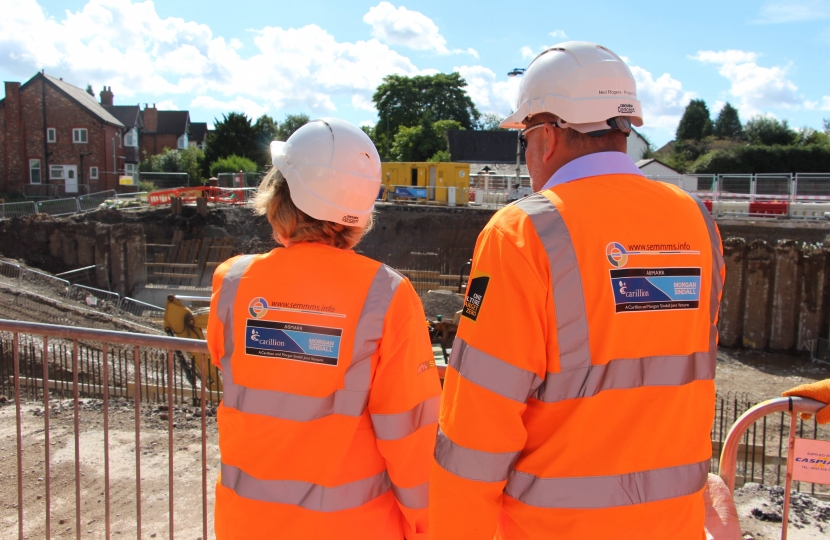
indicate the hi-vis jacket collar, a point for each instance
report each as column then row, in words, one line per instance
column 597, row 164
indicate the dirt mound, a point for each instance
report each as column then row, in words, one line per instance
column 444, row 303
column 761, row 508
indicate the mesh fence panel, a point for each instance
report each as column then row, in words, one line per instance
column 10, row 210
column 773, row 185
column 9, row 270
column 39, row 279
column 58, row 207
column 93, row 297
column 139, row 308
column 812, row 185
column 164, row 180
column 94, row 200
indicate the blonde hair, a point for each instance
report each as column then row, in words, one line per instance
column 273, row 200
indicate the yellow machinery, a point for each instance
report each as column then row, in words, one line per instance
column 428, row 182
column 180, row 321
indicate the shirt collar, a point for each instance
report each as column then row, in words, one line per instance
column 597, row 164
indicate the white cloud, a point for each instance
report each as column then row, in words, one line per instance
column 825, row 104
column 130, row 47
column 407, row 28
column 755, row 87
column 527, row 53
column 240, row 104
column 490, row 95
column 559, row 34
column 663, row 99
column 167, row 105
column 775, row 12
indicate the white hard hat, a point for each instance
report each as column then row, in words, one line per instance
column 332, row 169
column 584, row 84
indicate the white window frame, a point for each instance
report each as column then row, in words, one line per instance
column 34, row 165
column 80, row 135
column 183, row 142
column 51, row 135
column 57, row 172
column 131, row 138
column 93, row 173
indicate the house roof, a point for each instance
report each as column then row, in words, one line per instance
column 198, row 131
column 129, row 115
column 81, row 97
column 477, row 146
column 643, row 162
column 173, row 122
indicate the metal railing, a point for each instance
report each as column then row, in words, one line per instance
column 94, row 200
column 139, row 308
column 42, row 279
column 37, row 338
column 729, row 459
column 58, row 207
column 92, row 296
column 39, row 191
column 15, row 209
column 10, row 270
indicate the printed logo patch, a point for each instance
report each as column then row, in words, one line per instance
column 300, row 342
column 475, row 297
column 655, row 289
column 426, row 365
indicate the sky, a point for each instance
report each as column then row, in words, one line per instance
column 326, row 58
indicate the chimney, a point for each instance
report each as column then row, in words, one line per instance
column 151, row 118
column 106, row 96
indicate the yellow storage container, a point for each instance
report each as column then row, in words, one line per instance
column 436, row 183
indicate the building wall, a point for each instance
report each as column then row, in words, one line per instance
column 151, row 144
column 658, row 169
column 635, row 146
column 25, row 141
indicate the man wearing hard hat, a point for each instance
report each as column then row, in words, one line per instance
column 580, row 392
column 331, row 395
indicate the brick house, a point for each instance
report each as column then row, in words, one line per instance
column 56, row 139
column 163, row 129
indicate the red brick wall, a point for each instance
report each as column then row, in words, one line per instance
column 151, row 144
column 64, row 114
column 13, row 171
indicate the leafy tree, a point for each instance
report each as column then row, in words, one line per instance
column 404, row 101
column 440, row 155
column 424, row 142
column 768, row 131
column 695, row 123
column 807, row 136
column 233, row 135
column 265, row 131
column 490, row 122
column 826, row 123
column 232, row 164
column 728, row 124
column 764, row 159
column 190, row 161
column 292, row 123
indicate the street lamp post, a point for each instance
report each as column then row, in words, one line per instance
column 517, row 72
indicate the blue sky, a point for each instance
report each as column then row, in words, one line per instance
column 326, row 58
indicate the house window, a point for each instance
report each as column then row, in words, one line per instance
column 55, row 172
column 183, row 142
column 34, row 171
column 51, row 135
column 79, row 135
column 93, row 173
column 131, row 139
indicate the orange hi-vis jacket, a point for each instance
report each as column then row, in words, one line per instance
column 331, row 396
column 580, row 393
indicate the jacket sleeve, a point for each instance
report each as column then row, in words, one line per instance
column 403, row 403
column 216, row 329
column 497, row 361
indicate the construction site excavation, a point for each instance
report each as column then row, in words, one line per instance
column 124, row 441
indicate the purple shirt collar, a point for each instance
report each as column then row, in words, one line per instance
column 593, row 165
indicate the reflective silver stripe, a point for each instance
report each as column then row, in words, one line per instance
column 350, row 400
column 227, row 296
column 717, row 258
column 568, row 298
column 305, row 494
column 625, row 374
column 414, row 497
column 491, row 373
column 390, row 427
column 473, row 464
column 608, row 491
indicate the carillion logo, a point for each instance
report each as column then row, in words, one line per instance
column 616, row 254
column 258, row 307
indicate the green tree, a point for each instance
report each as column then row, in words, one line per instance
column 768, row 131
column 826, row 123
column 233, row 135
column 404, row 101
column 425, row 142
column 807, row 136
column 190, row 161
column 265, row 131
column 695, row 123
column 728, row 124
column 490, row 122
column 232, row 164
column 292, row 123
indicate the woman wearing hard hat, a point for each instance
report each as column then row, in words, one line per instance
column 331, row 396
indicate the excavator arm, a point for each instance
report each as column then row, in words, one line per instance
column 181, row 321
